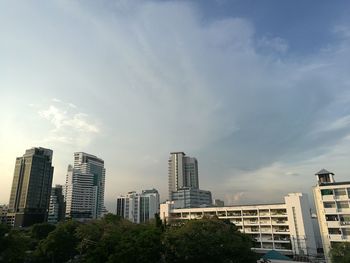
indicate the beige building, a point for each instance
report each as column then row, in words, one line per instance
column 285, row 227
column 332, row 201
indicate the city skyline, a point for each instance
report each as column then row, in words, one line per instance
column 257, row 92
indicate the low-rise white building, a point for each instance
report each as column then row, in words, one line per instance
column 285, row 227
column 332, row 201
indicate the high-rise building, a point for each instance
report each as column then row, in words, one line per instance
column 182, row 172
column 183, row 182
column 3, row 213
column 85, row 186
column 285, row 227
column 138, row 208
column 332, row 201
column 57, row 207
column 31, row 188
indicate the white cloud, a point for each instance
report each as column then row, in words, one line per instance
column 70, row 126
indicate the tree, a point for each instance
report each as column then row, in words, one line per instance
column 340, row 252
column 140, row 243
column 41, row 231
column 14, row 246
column 60, row 245
column 207, row 240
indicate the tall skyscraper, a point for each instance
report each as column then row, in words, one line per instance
column 332, row 201
column 31, row 188
column 57, row 207
column 138, row 208
column 183, row 172
column 85, row 186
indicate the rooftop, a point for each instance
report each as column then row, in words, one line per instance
column 324, row 171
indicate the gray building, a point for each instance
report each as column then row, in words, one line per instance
column 31, row 188
column 84, row 188
column 138, row 208
column 190, row 197
column 57, row 207
column 182, row 172
column 3, row 213
column 183, row 182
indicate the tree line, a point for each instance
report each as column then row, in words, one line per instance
column 113, row 239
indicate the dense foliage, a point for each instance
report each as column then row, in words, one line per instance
column 340, row 252
column 113, row 239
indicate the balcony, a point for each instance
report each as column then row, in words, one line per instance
column 280, row 230
column 345, row 223
column 344, row 210
column 248, row 214
column 333, row 223
column 336, row 237
column 282, row 240
column 279, row 213
column 330, row 210
column 341, row 197
column 265, row 230
column 251, row 222
column 279, row 222
column 251, row 230
column 328, row 197
column 235, row 214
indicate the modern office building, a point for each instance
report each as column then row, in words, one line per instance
column 31, row 188
column 85, row 186
column 183, row 182
column 332, row 201
column 191, row 197
column 138, row 208
column 285, row 227
column 3, row 213
column 57, row 207
column 182, row 172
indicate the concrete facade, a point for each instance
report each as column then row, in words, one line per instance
column 285, row 227
column 332, row 201
column 57, row 207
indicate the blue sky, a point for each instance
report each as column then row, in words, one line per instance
column 258, row 91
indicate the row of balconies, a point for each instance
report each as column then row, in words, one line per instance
column 339, row 237
column 265, row 230
column 334, row 210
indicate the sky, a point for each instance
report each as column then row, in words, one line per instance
column 257, row 91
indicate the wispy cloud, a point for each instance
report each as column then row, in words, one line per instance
column 69, row 125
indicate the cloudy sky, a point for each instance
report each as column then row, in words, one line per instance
column 258, row 91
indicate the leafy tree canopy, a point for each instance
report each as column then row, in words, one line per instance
column 340, row 252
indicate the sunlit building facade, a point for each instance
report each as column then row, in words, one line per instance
column 285, row 227
column 84, row 188
column 31, row 188
column 332, row 201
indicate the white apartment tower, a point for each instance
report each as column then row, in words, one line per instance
column 138, row 208
column 332, row 201
column 85, row 186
